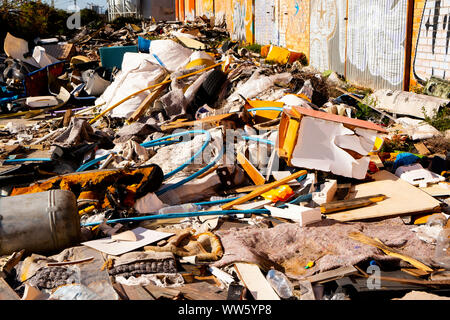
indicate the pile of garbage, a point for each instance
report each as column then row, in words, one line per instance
column 167, row 157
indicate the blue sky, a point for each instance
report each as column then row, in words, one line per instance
column 63, row 4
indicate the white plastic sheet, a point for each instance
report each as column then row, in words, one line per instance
column 259, row 83
column 42, row 57
column 169, row 54
column 321, row 145
column 138, row 72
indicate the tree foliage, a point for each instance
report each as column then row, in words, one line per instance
column 31, row 19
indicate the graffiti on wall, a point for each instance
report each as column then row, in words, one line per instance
column 297, row 33
column 205, row 8
column 367, row 47
column 242, row 29
column 208, row 8
column 189, row 7
column 323, row 26
column 432, row 57
column 239, row 21
column 298, row 17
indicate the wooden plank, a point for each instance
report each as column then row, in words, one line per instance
column 402, row 198
column 387, row 250
column 256, row 176
column 67, row 117
column 137, row 293
column 6, row 292
column 192, row 43
column 263, row 189
column 335, row 118
column 120, row 291
column 162, row 293
column 436, row 190
column 254, row 280
column 333, row 274
column 427, row 283
column 415, row 272
column 211, row 119
column 202, row 291
column 422, row 149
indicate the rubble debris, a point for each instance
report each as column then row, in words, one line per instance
column 161, row 160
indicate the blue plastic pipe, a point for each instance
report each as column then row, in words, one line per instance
column 258, row 140
column 27, row 159
column 266, row 109
column 210, row 203
column 89, row 164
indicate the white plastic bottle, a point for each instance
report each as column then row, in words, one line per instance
column 280, row 283
column 442, row 251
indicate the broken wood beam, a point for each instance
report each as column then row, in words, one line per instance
column 263, row 189
column 256, row 283
column 6, row 292
column 387, row 250
column 148, row 101
column 351, row 204
column 256, row 176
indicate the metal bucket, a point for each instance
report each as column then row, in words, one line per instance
column 39, row 222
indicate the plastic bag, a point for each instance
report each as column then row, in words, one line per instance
column 259, row 83
column 138, row 72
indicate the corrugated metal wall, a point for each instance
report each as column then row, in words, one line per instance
column 323, row 21
column 338, row 40
column 375, row 51
column 297, row 31
column 361, row 39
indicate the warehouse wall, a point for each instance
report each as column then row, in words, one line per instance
column 431, row 40
column 189, row 9
column 205, row 8
column 365, row 40
column 222, row 9
column 242, row 22
column 159, row 9
column 298, row 30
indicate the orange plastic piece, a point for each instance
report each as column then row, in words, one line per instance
column 282, row 193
